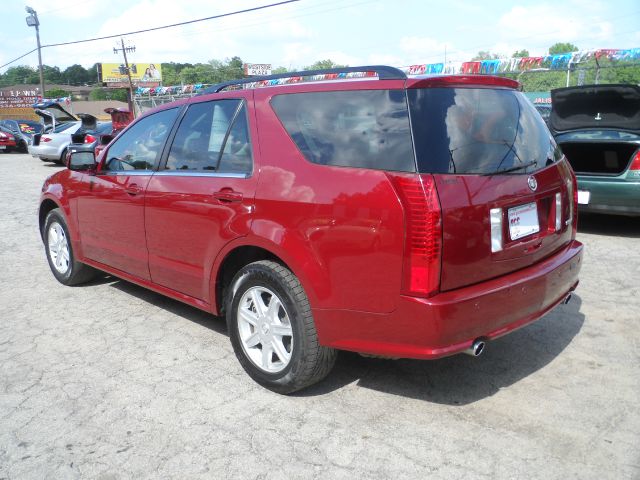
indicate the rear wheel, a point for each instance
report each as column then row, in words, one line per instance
column 63, row 157
column 57, row 243
column 272, row 330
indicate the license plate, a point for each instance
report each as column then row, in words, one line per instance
column 583, row 197
column 2, row 147
column 523, row 221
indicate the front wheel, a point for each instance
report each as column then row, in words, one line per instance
column 60, row 256
column 272, row 330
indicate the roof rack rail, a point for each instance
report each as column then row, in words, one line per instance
column 384, row 73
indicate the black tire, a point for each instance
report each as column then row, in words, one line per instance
column 69, row 271
column 309, row 361
column 63, row 157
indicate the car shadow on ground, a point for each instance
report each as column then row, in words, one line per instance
column 217, row 324
column 457, row 380
column 462, row 379
column 601, row 224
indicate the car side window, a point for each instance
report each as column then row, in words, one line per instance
column 212, row 136
column 139, row 147
column 236, row 156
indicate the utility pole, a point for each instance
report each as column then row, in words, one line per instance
column 124, row 51
column 32, row 21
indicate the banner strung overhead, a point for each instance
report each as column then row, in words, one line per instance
column 560, row 61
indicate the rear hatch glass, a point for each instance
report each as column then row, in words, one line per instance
column 596, row 106
column 492, row 157
column 478, row 131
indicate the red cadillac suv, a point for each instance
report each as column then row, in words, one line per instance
column 345, row 209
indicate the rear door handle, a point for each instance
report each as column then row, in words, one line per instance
column 132, row 189
column 228, row 195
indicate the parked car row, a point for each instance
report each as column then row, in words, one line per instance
column 7, row 140
column 66, row 132
column 22, row 131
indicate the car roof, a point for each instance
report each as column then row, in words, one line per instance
column 363, row 77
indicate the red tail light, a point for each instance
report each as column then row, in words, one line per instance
column 574, row 210
column 45, row 139
column 635, row 163
column 423, row 236
column 89, row 138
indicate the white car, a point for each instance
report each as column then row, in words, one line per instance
column 52, row 147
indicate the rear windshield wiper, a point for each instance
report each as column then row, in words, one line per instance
column 513, row 169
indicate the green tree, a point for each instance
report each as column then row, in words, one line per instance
column 20, row 75
column 485, row 55
column 566, row 47
column 76, row 75
column 118, row 94
column 56, row 93
column 323, row 65
column 170, row 74
column 279, row 70
column 521, row 53
column 51, row 74
column 198, row 73
column 93, row 73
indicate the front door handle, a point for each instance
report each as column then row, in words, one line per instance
column 132, row 189
column 228, row 195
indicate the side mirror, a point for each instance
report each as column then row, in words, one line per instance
column 106, row 139
column 81, row 161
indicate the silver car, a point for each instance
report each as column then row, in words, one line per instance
column 52, row 147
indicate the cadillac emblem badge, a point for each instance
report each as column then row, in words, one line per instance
column 533, row 184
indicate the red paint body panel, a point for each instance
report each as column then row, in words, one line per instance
column 111, row 221
column 449, row 323
column 187, row 226
column 466, row 200
column 343, row 226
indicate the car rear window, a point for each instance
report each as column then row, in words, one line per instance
column 478, row 131
column 104, row 128
column 64, row 126
column 362, row 129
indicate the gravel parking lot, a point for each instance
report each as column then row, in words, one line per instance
column 111, row 381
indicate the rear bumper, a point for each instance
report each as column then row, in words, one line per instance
column 449, row 322
column 45, row 152
column 611, row 195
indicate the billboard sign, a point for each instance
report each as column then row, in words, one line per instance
column 143, row 74
column 257, row 69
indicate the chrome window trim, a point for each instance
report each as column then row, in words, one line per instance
column 187, row 173
column 133, row 173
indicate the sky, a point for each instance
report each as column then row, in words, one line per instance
column 352, row 32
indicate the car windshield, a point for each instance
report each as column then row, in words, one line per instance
column 478, row 131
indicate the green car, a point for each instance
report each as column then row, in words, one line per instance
column 598, row 129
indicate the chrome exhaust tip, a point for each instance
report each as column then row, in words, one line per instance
column 567, row 299
column 476, row 348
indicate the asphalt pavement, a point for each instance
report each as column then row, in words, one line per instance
column 110, row 381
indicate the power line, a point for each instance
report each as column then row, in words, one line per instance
column 16, row 59
column 213, row 17
column 246, row 10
